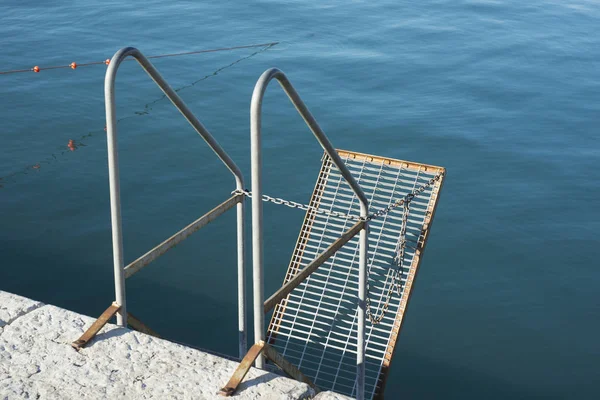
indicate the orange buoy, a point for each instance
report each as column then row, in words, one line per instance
column 73, row 65
column 36, row 69
column 107, row 61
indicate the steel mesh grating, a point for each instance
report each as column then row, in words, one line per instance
column 314, row 327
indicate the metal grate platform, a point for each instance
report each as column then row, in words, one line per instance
column 314, row 327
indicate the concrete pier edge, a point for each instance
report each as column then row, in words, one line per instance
column 37, row 361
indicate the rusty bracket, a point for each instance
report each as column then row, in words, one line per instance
column 139, row 326
column 96, row 326
column 272, row 354
column 242, row 369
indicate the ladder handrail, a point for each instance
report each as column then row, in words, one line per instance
column 113, row 167
column 257, row 215
column 255, row 111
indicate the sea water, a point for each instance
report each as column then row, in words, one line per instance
column 504, row 94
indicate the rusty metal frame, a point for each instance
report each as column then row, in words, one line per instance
column 262, row 347
column 294, row 267
column 431, row 208
column 391, row 161
column 430, row 213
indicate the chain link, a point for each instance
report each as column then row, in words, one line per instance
column 379, row 213
column 408, row 198
column 398, row 261
column 300, row 206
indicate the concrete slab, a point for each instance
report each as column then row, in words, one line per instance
column 331, row 396
column 37, row 361
column 13, row 306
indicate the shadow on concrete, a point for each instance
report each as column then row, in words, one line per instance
column 115, row 332
column 248, row 383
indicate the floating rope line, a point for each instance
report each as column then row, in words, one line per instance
column 74, row 144
column 75, row 65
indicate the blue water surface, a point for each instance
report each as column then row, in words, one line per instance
column 504, row 94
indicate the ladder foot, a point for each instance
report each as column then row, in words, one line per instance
column 96, row 326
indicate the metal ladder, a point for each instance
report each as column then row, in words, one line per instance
column 331, row 265
column 122, row 272
column 318, row 331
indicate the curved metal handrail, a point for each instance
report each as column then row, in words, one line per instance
column 255, row 121
column 113, row 167
column 257, row 226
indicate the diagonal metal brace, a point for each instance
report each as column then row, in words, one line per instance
column 96, row 326
column 312, row 267
column 272, row 354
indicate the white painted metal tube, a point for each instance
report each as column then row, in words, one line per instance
column 113, row 168
column 115, row 192
column 241, row 271
column 257, row 211
column 362, row 303
column 258, row 291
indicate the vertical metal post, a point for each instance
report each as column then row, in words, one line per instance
column 113, row 171
column 243, row 340
column 362, row 294
column 115, row 192
column 257, row 211
column 257, row 219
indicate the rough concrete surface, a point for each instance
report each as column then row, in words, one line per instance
column 13, row 306
column 37, row 362
column 331, row 396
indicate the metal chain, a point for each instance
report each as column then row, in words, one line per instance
column 379, row 213
column 408, row 198
column 398, row 261
column 300, row 206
